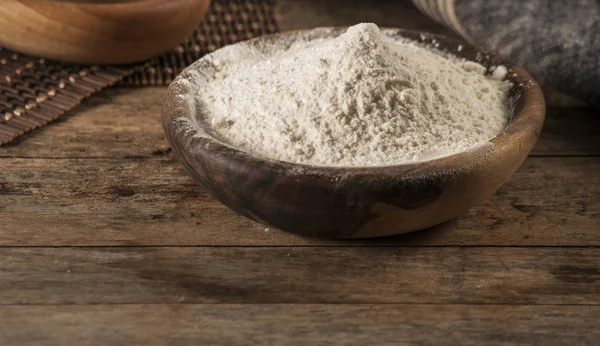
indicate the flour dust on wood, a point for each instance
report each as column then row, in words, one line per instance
column 360, row 99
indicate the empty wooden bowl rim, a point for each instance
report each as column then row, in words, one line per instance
column 524, row 125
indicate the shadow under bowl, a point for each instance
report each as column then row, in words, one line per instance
column 355, row 202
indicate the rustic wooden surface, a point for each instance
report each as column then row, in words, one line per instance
column 105, row 240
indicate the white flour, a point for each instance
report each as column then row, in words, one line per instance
column 361, row 99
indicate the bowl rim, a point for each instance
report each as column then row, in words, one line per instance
column 525, row 122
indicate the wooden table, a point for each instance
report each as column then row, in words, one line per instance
column 104, row 239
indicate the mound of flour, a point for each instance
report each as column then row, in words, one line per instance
column 361, row 99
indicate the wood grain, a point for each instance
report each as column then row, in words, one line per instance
column 570, row 132
column 125, row 123
column 300, row 275
column 71, row 202
column 390, row 324
column 98, row 34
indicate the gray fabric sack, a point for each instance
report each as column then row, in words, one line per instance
column 558, row 41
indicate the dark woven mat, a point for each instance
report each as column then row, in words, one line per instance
column 35, row 91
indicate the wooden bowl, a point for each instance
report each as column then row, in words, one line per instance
column 340, row 202
column 98, row 32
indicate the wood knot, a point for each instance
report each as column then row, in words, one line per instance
column 122, row 191
column 574, row 274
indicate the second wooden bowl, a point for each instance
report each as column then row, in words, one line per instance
column 346, row 202
column 111, row 32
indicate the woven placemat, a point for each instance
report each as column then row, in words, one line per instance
column 35, row 91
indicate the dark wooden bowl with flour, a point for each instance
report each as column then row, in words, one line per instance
column 355, row 202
